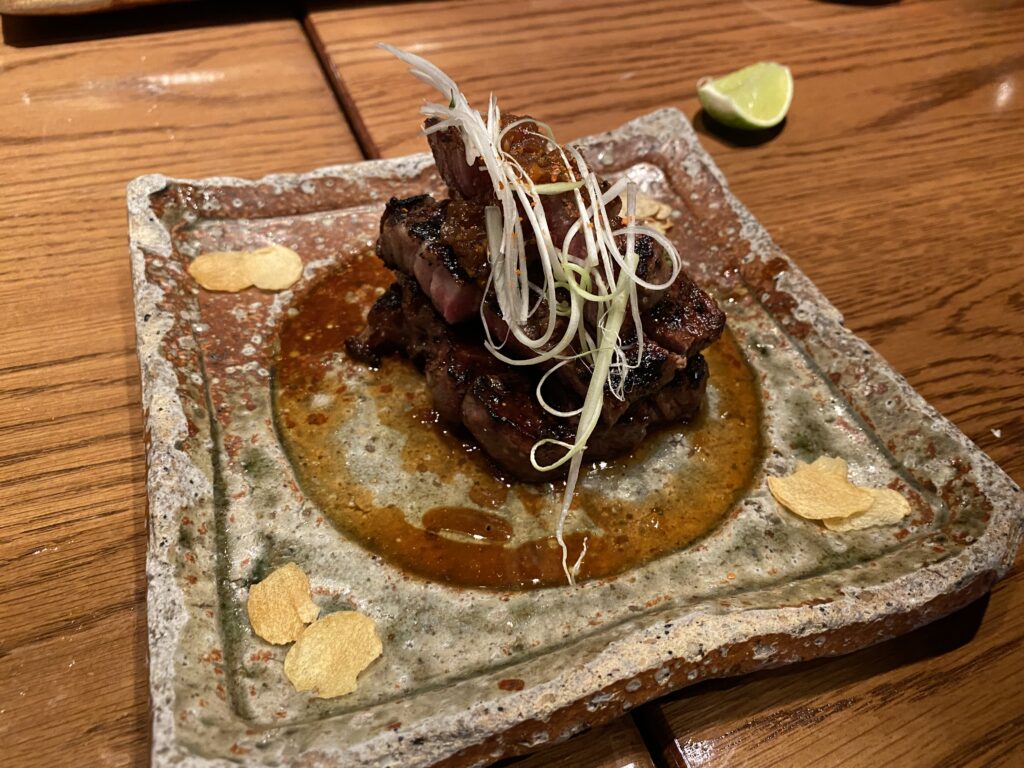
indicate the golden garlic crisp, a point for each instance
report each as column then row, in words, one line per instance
column 821, row 491
column 280, row 606
column 650, row 212
column 831, row 465
column 220, row 272
column 272, row 268
column 331, row 653
column 816, row 494
column 888, row 507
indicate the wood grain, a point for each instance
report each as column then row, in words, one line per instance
column 46, row 7
column 77, row 122
column 949, row 694
column 616, row 745
column 895, row 184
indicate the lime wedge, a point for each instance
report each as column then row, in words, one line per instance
column 754, row 97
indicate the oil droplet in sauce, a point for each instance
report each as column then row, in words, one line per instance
column 468, row 522
column 367, row 450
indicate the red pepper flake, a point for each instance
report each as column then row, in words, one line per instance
column 394, row 725
column 237, row 750
column 511, row 684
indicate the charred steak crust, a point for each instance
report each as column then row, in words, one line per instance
column 686, row 319
column 505, row 419
column 525, row 142
column 495, row 402
column 411, row 241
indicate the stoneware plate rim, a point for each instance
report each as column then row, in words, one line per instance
column 963, row 576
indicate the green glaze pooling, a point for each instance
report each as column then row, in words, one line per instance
column 257, row 466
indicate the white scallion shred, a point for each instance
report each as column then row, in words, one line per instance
column 603, row 284
column 557, row 187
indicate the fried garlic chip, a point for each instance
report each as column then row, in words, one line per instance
column 272, row 268
column 330, row 654
column 650, row 212
column 222, row 271
column 816, row 494
column 821, row 491
column 888, row 507
column 831, row 465
column 280, row 606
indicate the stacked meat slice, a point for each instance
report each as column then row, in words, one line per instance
column 435, row 311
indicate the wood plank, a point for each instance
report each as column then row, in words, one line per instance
column 616, row 745
column 42, row 7
column 77, row 122
column 889, row 183
column 950, row 694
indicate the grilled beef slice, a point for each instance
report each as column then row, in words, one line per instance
column 411, row 242
column 501, row 412
column 496, row 402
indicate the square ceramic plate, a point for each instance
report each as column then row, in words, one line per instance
column 267, row 445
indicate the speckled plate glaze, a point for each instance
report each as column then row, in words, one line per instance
column 470, row 675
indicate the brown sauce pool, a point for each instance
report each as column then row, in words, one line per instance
column 368, row 452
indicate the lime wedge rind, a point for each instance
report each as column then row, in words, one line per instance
column 755, row 97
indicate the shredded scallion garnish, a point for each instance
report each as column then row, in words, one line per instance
column 603, row 284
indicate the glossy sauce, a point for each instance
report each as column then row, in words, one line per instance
column 500, row 534
column 467, row 521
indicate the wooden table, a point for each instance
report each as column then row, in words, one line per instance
column 895, row 183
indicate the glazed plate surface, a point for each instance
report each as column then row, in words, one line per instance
column 267, row 447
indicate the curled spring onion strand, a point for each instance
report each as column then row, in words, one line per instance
column 596, row 284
